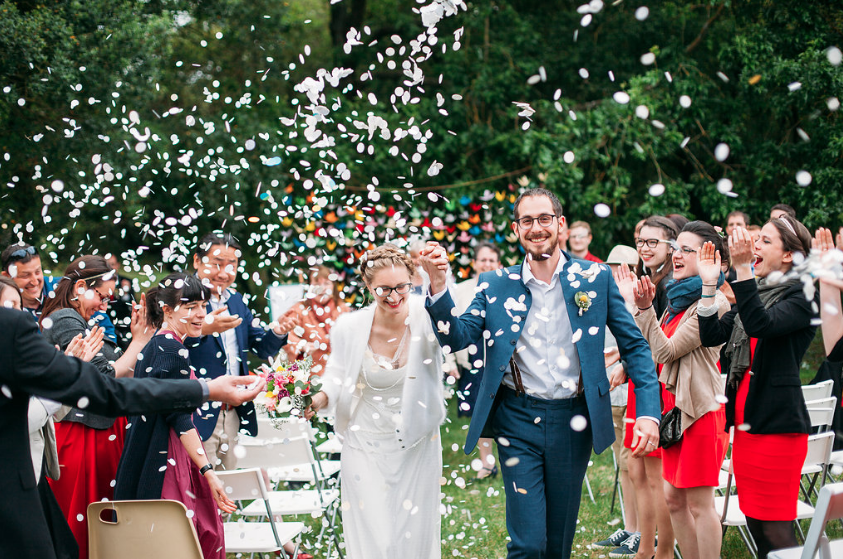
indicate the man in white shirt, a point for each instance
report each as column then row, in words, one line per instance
column 544, row 394
column 230, row 332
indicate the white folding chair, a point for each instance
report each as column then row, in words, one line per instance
column 817, row 462
column 314, row 502
column 817, row 391
column 254, row 537
column 829, row 507
column 260, row 452
column 728, row 505
column 821, row 412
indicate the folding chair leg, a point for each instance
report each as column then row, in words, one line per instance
column 615, row 490
column 588, row 487
column 748, row 541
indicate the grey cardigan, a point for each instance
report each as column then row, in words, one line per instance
column 67, row 323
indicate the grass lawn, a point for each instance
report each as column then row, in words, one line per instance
column 473, row 520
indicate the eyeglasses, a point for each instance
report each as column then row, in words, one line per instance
column 401, row 289
column 22, row 253
column 684, row 250
column 545, row 220
column 651, row 243
column 103, row 298
column 579, row 236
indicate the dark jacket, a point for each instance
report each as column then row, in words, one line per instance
column 31, row 366
column 67, row 324
column 207, row 355
column 774, row 403
column 144, row 461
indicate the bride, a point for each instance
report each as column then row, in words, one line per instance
column 383, row 384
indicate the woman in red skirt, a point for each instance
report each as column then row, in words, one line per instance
column 689, row 372
column 766, row 337
column 89, row 445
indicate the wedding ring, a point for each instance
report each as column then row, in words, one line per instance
column 651, row 443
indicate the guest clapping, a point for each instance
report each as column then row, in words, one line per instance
column 766, row 335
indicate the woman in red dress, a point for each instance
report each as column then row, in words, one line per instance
column 766, row 335
column 689, row 372
column 89, row 445
column 654, row 241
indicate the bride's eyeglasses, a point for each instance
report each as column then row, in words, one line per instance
column 401, row 289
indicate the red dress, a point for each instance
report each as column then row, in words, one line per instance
column 88, row 459
column 696, row 459
column 767, row 467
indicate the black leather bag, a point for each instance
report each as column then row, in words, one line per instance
column 670, row 429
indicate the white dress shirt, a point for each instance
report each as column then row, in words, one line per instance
column 229, row 337
column 546, row 353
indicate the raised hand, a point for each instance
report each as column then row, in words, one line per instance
column 708, row 263
column 140, row 327
column 235, row 390
column 644, row 293
column 217, row 323
column 436, row 263
column 823, row 240
column 285, row 326
column 626, row 281
column 741, row 248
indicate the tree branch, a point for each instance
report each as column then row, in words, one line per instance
column 696, row 42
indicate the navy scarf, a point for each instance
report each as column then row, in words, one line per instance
column 681, row 294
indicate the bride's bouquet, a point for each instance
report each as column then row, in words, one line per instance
column 289, row 388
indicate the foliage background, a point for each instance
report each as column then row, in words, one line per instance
column 81, row 69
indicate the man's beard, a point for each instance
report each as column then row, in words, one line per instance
column 539, row 255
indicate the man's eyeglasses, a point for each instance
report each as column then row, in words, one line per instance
column 651, row 243
column 579, row 236
column 401, row 289
column 545, row 220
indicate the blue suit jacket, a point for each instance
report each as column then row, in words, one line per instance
column 488, row 312
column 207, row 356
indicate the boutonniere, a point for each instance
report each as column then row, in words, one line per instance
column 582, row 300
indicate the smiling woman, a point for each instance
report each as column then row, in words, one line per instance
column 392, row 455
column 89, row 445
column 163, row 457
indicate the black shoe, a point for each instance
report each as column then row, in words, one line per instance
column 613, row 541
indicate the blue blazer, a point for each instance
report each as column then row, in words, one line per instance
column 488, row 313
column 207, row 355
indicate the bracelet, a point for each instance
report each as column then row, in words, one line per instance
column 206, row 468
column 709, row 285
column 645, row 308
column 709, row 296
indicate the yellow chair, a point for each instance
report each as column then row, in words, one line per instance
column 140, row 530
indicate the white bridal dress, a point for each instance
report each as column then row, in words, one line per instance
column 390, row 488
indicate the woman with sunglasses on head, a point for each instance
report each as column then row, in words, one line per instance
column 690, row 467
column 163, row 457
column 383, row 381
column 89, row 445
column 766, row 336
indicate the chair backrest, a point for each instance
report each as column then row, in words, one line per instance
column 829, row 507
column 822, row 412
column 819, row 452
column 247, row 485
column 817, row 391
column 140, row 530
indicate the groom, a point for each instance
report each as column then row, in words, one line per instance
column 544, row 394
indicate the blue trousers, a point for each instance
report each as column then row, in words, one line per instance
column 543, row 462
